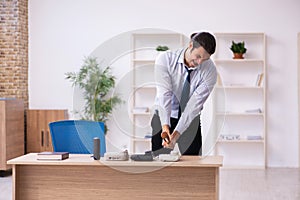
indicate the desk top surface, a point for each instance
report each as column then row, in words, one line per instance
column 86, row 159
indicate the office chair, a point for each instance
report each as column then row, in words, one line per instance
column 77, row 136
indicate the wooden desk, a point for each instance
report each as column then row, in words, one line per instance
column 80, row 177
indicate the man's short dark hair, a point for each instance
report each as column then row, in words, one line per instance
column 205, row 40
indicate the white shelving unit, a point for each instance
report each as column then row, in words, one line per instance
column 143, row 84
column 239, row 103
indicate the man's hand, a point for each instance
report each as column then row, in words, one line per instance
column 173, row 139
column 165, row 134
column 165, row 128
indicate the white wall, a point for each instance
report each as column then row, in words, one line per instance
column 62, row 32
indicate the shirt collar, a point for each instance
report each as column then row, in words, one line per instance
column 181, row 56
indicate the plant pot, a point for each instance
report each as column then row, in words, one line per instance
column 238, row 56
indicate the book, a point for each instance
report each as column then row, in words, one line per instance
column 148, row 136
column 52, row 155
column 259, row 79
column 254, row 137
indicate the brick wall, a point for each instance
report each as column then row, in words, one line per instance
column 14, row 49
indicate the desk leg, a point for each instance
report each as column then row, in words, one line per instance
column 14, row 182
column 217, row 180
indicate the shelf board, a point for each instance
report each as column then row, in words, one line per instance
column 239, row 87
column 239, row 34
column 240, row 141
column 156, row 34
column 217, row 60
column 141, row 113
column 239, row 114
column 144, row 87
column 144, row 61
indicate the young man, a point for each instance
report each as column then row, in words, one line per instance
column 184, row 79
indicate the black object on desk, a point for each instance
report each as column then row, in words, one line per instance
column 96, row 148
column 148, row 156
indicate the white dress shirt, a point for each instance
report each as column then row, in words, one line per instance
column 170, row 74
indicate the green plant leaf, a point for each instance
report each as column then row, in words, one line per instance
column 96, row 83
column 162, row 48
column 238, row 47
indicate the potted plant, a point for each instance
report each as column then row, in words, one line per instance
column 96, row 84
column 238, row 49
column 162, row 48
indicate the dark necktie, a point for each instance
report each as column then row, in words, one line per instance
column 185, row 93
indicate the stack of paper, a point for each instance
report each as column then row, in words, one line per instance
column 254, row 137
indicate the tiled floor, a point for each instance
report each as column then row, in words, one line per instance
column 6, row 187
column 269, row 184
column 243, row 184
